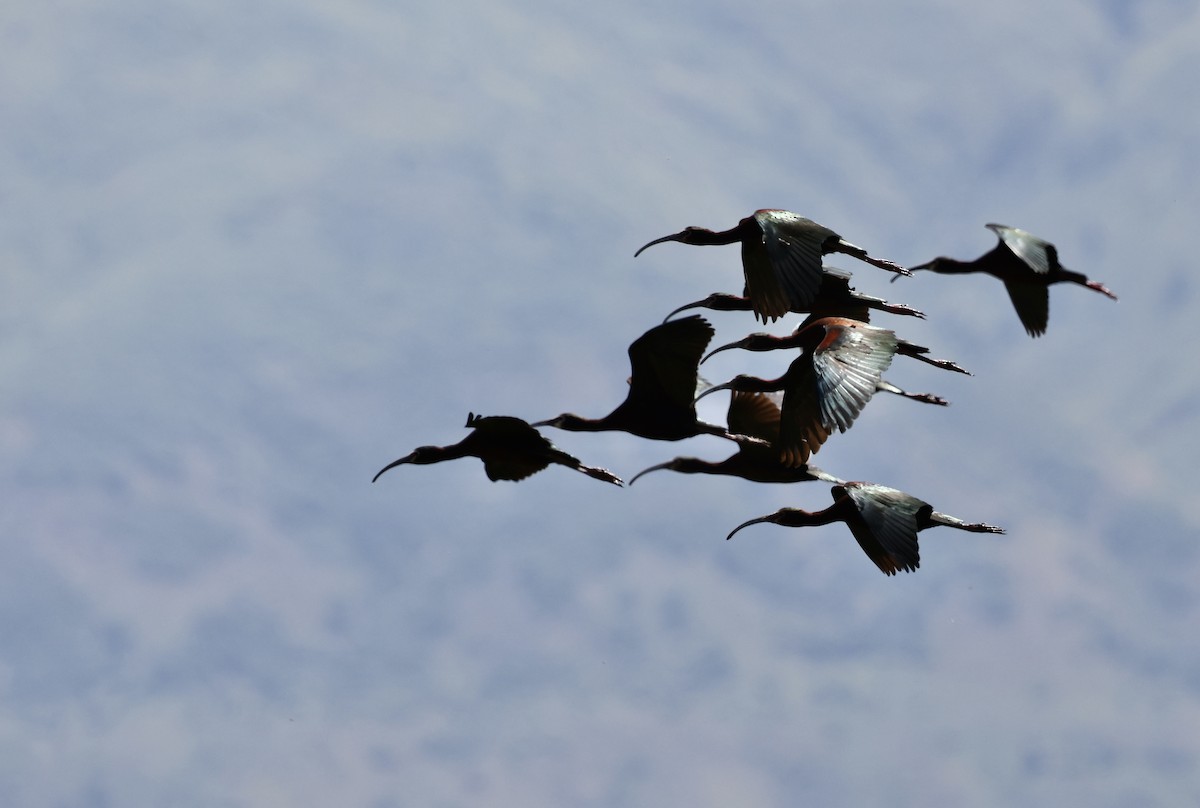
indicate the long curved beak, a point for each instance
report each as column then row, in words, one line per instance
column 672, row 237
column 392, row 465
column 694, row 305
column 659, row 467
column 549, row 422
column 739, row 344
column 757, row 521
column 715, row 388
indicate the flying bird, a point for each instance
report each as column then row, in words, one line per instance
column 661, row 403
column 827, row 386
column 769, row 342
column 781, row 257
column 835, row 298
column 1028, row 266
column 755, row 415
column 884, row 521
column 511, row 449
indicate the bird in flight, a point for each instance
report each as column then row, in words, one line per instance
column 883, row 520
column 661, row 402
column 1028, row 266
column 781, row 257
column 756, row 415
column 829, row 384
column 511, row 449
column 835, row 298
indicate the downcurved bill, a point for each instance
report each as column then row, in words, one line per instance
column 739, row 344
column 659, row 467
column 757, row 521
column 715, row 388
column 406, row 459
column 672, row 237
column 695, row 305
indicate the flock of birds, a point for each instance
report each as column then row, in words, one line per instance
column 839, row 368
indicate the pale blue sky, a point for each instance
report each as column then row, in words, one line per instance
column 253, row 253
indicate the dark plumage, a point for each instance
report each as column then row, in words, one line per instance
column 1028, row 266
column 827, row 386
column 883, row 520
column 755, row 415
column 511, row 449
column 835, row 298
column 781, row 257
column 770, row 342
column 661, row 403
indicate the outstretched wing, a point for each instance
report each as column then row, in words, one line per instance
column 512, row 449
column 888, row 529
column 664, row 363
column 754, row 414
column 785, row 269
column 1032, row 302
column 847, row 366
column 1039, row 254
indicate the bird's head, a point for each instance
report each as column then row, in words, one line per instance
column 729, row 385
column 568, row 421
column 932, row 266
column 760, row 341
column 717, row 301
column 771, row 517
column 688, row 235
column 421, row 456
column 685, row 465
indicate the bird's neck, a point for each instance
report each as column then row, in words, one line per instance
column 744, row 228
column 723, row 302
column 795, row 517
column 574, row 423
column 436, row 454
column 691, row 465
column 951, row 266
column 753, row 384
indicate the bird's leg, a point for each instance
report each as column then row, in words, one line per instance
column 883, row 263
column 925, row 398
column 953, row 521
column 855, row 251
column 1101, row 288
column 722, row 432
column 919, row 352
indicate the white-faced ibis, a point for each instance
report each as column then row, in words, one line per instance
column 883, row 520
column 1028, row 266
column 827, row 386
column 769, row 342
column 781, row 257
column 755, row 415
column 511, row 449
column 661, row 403
column 835, row 298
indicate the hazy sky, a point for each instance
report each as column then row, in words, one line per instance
column 252, row 253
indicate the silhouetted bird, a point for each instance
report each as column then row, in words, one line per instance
column 1027, row 265
column 770, row 342
column 661, row 404
column 835, row 298
column 827, row 386
column 883, row 520
column 756, row 415
column 511, row 449
column 781, row 257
